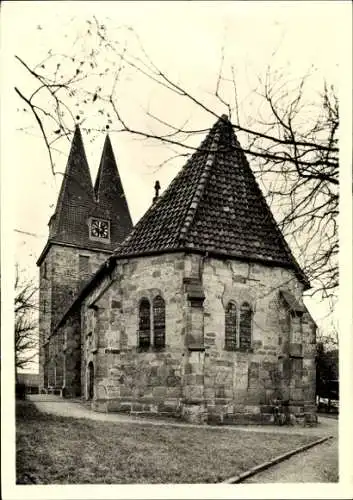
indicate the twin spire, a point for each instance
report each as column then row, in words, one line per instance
column 78, row 173
column 79, row 201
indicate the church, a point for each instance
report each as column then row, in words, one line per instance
column 196, row 312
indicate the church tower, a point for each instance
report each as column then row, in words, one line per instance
column 87, row 225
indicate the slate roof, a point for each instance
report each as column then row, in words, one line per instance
column 213, row 205
column 77, row 201
column 110, row 196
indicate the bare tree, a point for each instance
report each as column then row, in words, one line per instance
column 290, row 133
column 26, row 324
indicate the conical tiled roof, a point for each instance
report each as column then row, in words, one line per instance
column 213, row 205
column 110, row 194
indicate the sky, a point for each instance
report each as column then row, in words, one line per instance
column 183, row 38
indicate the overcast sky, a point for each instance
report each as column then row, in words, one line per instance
column 185, row 39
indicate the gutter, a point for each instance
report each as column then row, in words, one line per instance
column 280, row 458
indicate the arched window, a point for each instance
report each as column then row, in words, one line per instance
column 46, row 364
column 144, row 324
column 245, row 326
column 90, row 381
column 231, row 326
column 159, row 321
column 51, row 373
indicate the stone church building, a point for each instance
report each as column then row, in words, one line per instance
column 196, row 312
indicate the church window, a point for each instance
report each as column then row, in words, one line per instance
column 144, row 324
column 245, row 326
column 159, row 322
column 231, row 326
column 238, row 326
column 46, row 352
column 151, row 323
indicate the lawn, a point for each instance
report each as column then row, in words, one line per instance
column 63, row 450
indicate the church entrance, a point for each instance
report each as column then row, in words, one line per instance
column 90, row 380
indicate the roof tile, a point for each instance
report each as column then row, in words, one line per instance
column 78, row 201
column 214, row 204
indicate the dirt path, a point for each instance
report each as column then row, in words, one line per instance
column 319, row 464
column 67, row 408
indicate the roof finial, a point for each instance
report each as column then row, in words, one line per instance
column 157, row 187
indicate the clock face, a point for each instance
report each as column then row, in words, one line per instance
column 100, row 229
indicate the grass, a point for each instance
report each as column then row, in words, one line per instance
column 64, row 450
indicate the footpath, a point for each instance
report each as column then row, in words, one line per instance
column 317, row 465
column 78, row 409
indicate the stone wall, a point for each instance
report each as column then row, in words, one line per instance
column 126, row 377
column 60, row 280
column 64, row 358
column 67, row 278
column 45, row 305
column 243, row 386
column 195, row 377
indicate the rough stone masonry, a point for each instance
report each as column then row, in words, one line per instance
column 197, row 313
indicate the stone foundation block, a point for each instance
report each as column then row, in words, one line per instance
column 194, row 413
column 310, row 419
column 138, row 407
column 214, row 419
column 168, row 409
column 267, row 418
column 242, row 419
column 118, row 406
column 99, row 406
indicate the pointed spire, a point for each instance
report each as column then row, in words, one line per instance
column 213, row 205
column 77, row 182
column 107, row 172
column 108, row 189
column 79, row 203
column 76, row 188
